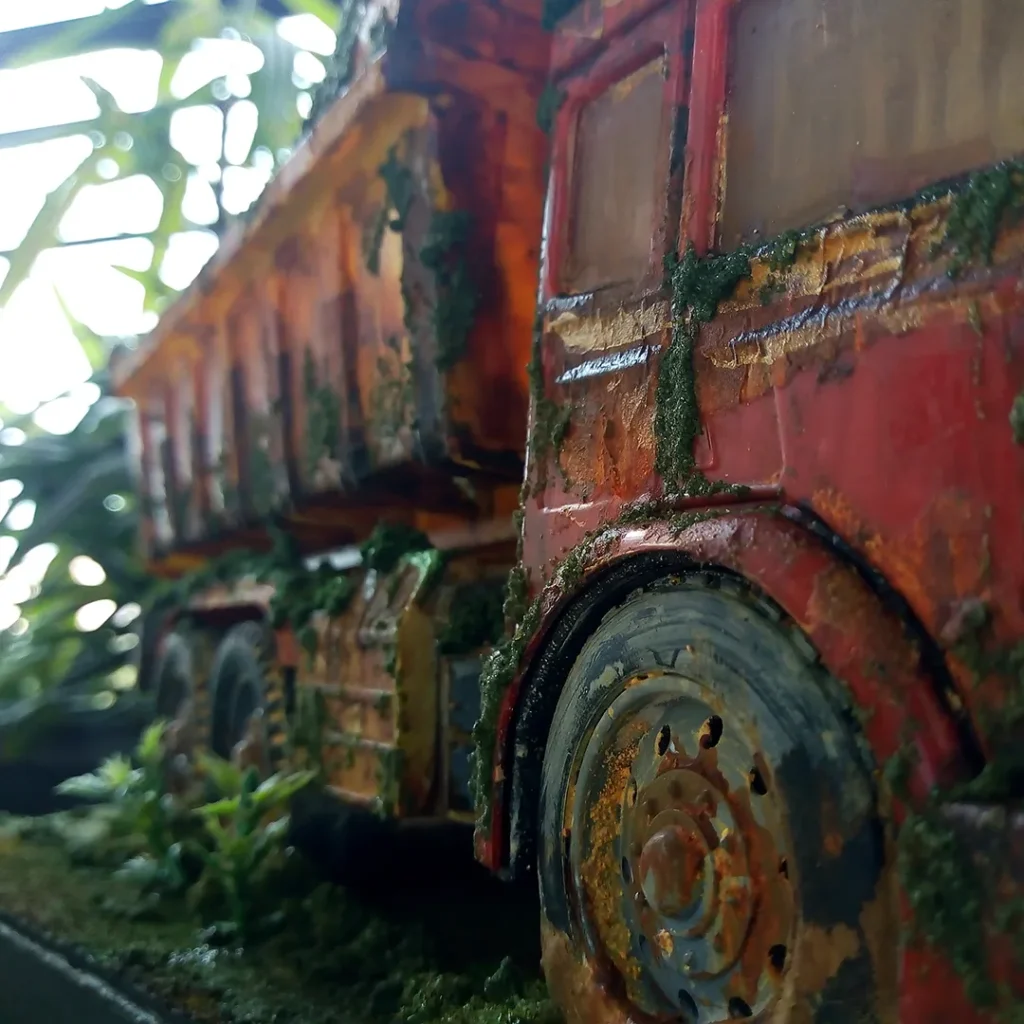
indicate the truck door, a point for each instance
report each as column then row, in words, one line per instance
column 621, row 81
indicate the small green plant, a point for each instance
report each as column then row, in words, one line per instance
column 246, row 833
column 146, row 819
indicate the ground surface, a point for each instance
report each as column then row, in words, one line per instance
column 423, row 946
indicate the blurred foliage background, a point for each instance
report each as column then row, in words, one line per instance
column 67, row 504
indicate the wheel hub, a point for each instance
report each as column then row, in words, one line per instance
column 682, row 857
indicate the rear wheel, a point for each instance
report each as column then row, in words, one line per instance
column 709, row 845
column 242, row 706
column 173, row 677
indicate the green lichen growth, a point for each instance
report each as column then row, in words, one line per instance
column 393, row 399
column 550, row 423
column 323, row 417
column 517, row 589
column 389, row 781
column 306, row 735
column 987, row 202
column 445, row 255
column 400, row 187
column 373, row 239
column 548, row 105
column 947, row 896
column 1017, row 419
column 388, row 543
column 340, row 64
column 264, row 490
column 475, row 619
column 698, row 285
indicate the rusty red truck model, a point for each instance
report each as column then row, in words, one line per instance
column 637, row 387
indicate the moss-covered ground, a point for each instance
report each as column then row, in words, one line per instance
column 417, row 946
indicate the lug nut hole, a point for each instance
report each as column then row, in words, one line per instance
column 663, row 741
column 711, row 732
column 777, row 956
column 627, row 874
column 784, row 867
column 689, row 1007
column 739, row 1008
column 757, row 783
column 631, row 793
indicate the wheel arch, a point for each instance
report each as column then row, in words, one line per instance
column 862, row 630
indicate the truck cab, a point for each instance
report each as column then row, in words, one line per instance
column 772, row 562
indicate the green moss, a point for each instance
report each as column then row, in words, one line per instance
column 475, row 619
column 323, row 418
column 1017, row 419
column 340, row 64
column 550, row 422
column 389, row 781
column 456, row 298
column 409, row 960
column 947, row 896
column 517, row 588
column 388, row 543
column 698, row 284
column 393, row 399
column 986, row 202
column 548, row 105
column 306, row 735
column 400, row 186
column 373, row 239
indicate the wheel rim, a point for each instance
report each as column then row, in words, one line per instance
column 680, row 860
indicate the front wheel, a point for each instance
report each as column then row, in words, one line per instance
column 709, row 844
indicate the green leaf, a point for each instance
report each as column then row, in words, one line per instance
column 279, row 788
column 327, row 12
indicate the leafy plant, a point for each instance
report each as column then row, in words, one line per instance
column 247, row 832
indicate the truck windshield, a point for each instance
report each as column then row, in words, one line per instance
column 854, row 103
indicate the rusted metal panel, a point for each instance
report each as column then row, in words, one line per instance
column 373, row 313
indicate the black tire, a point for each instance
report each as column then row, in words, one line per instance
column 707, row 751
column 173, row 676
column 238, row 681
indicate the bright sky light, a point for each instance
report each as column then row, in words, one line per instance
column 40, row 358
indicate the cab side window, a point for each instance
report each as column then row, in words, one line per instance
column 839, row 104
column 618, row 180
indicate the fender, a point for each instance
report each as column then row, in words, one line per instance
column 863, row 633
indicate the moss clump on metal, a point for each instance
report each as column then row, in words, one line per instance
column 550, row 423
column 389, row 781
column 947, row 896
column 445, row 255
column 389, row 542
column 548, row 105
column 475, row 619
column 393, row 398
column 323, row 416
column 340, row 65
column 981, row 207
column 1017, row 419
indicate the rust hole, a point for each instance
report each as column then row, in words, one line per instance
column 627, row 874
column 631, row 790
column 711, row 732
column 757, row 783
column 663, row 741
column 784, row 867
column 689, row 1007
column 739, row 1008
column 777, row 956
